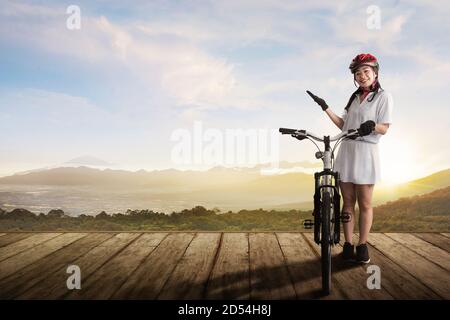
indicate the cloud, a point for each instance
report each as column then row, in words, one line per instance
column 351, row 27
column 41, row 109
column 11, row 8
column 230, row 63
column 186, row 72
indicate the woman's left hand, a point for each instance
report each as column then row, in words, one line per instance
column 366, row 128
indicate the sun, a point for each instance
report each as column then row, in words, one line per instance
column 398, row 162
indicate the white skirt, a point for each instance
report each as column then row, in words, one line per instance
column 358, row 162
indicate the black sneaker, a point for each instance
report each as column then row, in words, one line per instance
column 362, row 253
column 349, row 251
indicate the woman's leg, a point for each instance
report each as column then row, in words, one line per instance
column 364, row 195
column 349, row 196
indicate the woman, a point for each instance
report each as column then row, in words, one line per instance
column 370, row 110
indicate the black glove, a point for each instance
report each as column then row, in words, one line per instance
column 352, row 137
column 318, row 100
column 366, row 128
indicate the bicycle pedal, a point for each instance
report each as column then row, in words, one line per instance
column 346, row 217
column 307, row 224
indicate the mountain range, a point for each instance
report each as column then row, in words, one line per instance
column 224, row 188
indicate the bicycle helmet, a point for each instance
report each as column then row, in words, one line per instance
column 364, row 59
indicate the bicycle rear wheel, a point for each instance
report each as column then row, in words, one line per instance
column 326, row 243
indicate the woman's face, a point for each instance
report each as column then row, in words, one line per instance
column 365, row 76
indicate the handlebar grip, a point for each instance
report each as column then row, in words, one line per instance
column 352, row 134
column 287, row 131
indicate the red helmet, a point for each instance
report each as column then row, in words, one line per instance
column 364, row 59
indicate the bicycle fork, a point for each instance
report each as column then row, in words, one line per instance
column 323, row 182
column 336, row 202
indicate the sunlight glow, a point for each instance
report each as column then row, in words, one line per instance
column 399, row 162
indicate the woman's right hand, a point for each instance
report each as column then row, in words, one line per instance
column 318, row 100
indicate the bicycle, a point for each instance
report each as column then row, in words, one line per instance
column 327, row 199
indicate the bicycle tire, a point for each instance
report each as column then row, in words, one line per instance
column 326, row 243
column 337, row 217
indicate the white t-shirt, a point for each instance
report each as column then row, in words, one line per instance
column 378, row 110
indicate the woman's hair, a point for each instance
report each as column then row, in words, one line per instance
column 373, row 88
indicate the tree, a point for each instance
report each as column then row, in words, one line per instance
column 21, row 213
column 56, row 213
column 102, row 215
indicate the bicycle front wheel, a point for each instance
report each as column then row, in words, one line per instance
column 326, row 243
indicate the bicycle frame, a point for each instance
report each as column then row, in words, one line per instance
column 327, row 199
column 325, row 181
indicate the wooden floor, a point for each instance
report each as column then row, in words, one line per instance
column 191, row 265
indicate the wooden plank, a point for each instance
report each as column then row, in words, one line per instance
column 55, row 286
column 399, row 283
column 433, row 276
column 269, row 276
column 423, row 248
column 31, row 255
column 148, row 280
column 190, row 277
column 446, row 234
column 435, row 239
column 304, row 267
column 106, row 280
column 41, row 270
column 24, row 244
column 9, row 238
column 2, row 234
column 351, row 277
column 230, row 277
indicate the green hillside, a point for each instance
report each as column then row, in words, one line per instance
column 424, row 213
column 428, row 212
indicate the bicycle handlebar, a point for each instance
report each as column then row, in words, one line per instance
column 288, row 131
column 303, row 133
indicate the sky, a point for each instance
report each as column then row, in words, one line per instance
column 136, row 75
